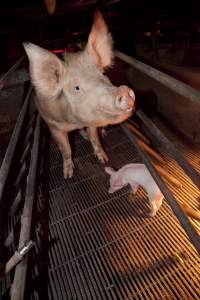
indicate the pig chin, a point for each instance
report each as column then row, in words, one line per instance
column 117, row 117
column 116, row 113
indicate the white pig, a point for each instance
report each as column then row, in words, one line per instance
column 135, row 175
column 74, row 93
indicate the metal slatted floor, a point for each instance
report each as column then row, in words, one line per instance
column 104, row 246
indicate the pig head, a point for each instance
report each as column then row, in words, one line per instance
column 75, row 93
column 116, row 180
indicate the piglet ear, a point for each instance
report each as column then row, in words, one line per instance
column 109, row 170
column 46, row 70
column 100, row 44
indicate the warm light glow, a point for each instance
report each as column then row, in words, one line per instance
column 69, row 50
column 58, row 51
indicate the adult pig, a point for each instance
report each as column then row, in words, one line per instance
column 74, row 93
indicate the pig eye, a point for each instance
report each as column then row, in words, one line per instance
column 77, row 88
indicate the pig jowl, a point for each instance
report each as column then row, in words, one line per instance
column 74, row 93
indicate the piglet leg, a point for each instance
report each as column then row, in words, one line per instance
column 155, row 203
column 159, row 200
column 98, row 150
column 153, row 209
column 134, row 187
column 62, row 140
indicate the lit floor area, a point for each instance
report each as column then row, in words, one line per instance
column 104, row 246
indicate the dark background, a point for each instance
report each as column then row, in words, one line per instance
column 166, row 31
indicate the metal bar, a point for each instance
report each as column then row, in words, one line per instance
column 183, row 219
column 19, row 282
column 5, row 167
column 9, row 239
column 24, row 154
column 18, row 256
column 138, row 133
column 10, row 71
column 27, row 137
column 15, row 203
column 170, row 148
column 20, row 174
column 168, row 81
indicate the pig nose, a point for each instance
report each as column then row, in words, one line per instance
column 125, row 99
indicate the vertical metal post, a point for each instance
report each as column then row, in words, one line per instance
column 18, row 287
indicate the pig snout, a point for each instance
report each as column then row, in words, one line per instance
column 125, row 99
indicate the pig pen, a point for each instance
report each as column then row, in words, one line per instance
column 70, row 239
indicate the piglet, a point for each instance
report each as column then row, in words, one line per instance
column 135, row 175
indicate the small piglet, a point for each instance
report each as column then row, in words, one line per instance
column 135, row 175
column 74, row 93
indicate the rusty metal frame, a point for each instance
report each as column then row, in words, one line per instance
column 5, row 167
column 18, row 287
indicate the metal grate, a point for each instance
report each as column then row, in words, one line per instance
column 104, row 246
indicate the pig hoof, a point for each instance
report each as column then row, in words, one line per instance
column 102, row 156
column 103, row 133
column 84, row 134
column 152, row 214
column 68, row 168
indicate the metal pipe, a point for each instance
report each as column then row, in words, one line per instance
column 168, row 81
column 183, row 219
column 15, row 203
column 138, row 133
column 10, row 71
column 21, row 174
column 18, row 288
column 170, row 148
column 24, row 154
column 18, row 256
column 5, row 167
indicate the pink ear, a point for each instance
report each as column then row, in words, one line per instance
column 109, row 170
column 100, row 42
column 46, row 70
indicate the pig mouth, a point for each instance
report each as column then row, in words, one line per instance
column 116, row 113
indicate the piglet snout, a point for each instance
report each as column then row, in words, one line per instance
column 125, row 99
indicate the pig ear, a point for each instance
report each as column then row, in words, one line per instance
column 100, row 44
column 46, row 70
column 109, row 170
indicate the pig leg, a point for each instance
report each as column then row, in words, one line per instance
column 98, row 150
column 83, row 132
column 62, row 140
column 103, row 132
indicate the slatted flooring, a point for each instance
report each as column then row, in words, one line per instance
column 104, row 246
